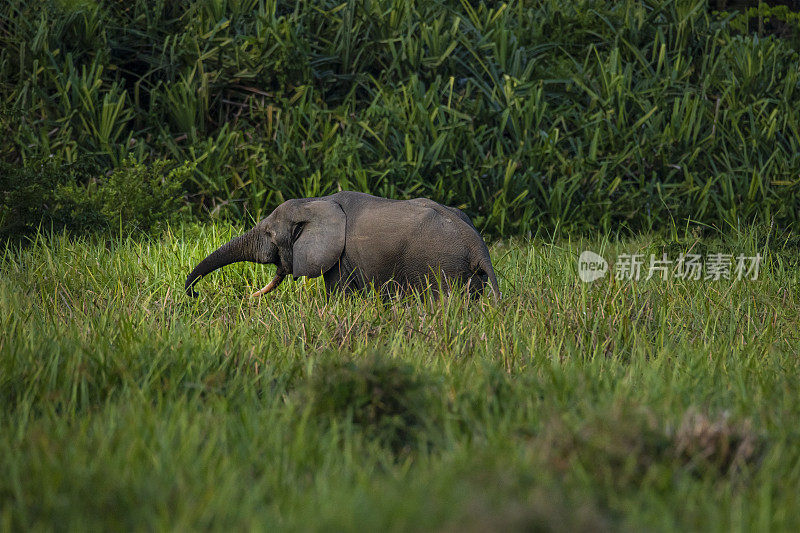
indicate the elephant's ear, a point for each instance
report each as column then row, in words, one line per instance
column 320, row 243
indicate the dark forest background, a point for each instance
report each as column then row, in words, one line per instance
column 538, row 115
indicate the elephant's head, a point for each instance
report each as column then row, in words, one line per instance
column 303, row 237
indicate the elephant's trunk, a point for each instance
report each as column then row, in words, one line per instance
column 247, row 247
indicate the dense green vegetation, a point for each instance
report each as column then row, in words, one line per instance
column 657, row 405
column 530, row 115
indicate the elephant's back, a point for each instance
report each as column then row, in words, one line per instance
column 405, row 241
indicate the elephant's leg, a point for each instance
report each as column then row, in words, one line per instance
column 340, row 278
column 476, row 284
column 393, row 289
column 332, row 280
column 460, row 283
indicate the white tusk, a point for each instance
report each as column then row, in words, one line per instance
column 269, row 287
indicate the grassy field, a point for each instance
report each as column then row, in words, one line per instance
column 660, row 405
column 652, row 405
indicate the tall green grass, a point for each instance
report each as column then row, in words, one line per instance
column 547, row 114
column 656, row 405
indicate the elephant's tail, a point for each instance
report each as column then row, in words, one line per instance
column 485, row 264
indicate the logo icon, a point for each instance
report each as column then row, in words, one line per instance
column 591, row 266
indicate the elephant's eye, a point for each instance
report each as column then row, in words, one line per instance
column 298, row 229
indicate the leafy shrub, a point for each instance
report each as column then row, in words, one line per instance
column 142, row 197
column 530, row 116
column 764, row 19
column 72, row 196
column 31, row 196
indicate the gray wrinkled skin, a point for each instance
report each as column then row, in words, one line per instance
column 355, row 240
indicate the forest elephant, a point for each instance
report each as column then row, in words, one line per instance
column 355, row 240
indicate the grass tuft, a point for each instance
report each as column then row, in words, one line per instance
column 388, row 400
